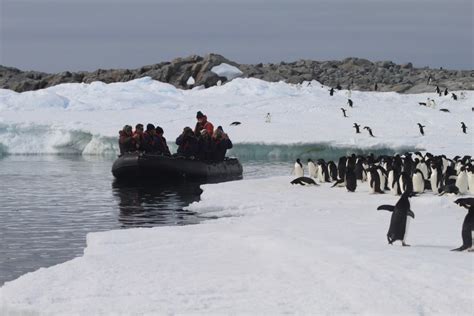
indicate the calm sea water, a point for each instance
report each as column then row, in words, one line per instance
column 49, row 203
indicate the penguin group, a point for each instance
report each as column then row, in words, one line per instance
column 404, row 175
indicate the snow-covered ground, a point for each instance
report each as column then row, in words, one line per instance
column 85, row 118
column 275, row 249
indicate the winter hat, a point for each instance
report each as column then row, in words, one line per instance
column 159, row 130
column 150, row 127
column 199, row 115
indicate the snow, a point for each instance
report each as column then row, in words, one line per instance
column 276, row 248
column 86, row 118
column 190, row 81
column 226, row 70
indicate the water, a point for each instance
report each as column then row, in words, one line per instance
column 49, row 203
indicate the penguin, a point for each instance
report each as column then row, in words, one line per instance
column 331, row 92
column 332, row 170
column 344, row 112
column 359, row 170
column 470, row 179
column 445, row 110
column 438, row 91
column 393, row 182
column 235, row 123
column 357, row 126
column 298, row 169
column 421, row 129
column 418, row 181
column 351, row 180
column 338, row 87
column 421, row 164
column 467, row 231
column 350, row 102
column 422, row 103
column 464, row 127
column 446, row 91
column 376, row 87
column 405, row 182
column 323, row 172
column 461, row 181
column 449, row 189
column 369, row 130
column 268, row 118
column 375, row 182
column 312, row 169
column 304, row 181
column 399, row 220
column 454, row 96
column 341, row 167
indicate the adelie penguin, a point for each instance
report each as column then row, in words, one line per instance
column 331, row 92
column 399, row 220
column 298, row 169
column 454, row 96
column 304, row 181
column 369, row 130
column 312, row 169
column 422, row 131
column 235, row 123
column 357, row 127
column 349, row 101
column 467, row 231
column 344, row 112
column 464, row 128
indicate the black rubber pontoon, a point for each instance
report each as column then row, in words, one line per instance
column 166, row 168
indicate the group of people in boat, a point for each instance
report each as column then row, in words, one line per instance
column 203, row 143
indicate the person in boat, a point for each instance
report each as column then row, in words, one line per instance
column 138, row 136
column 149, row 139
column 221, row 143
column 203, row 123
column 126, row 141
column 162, row 146
column 187, row 143
column 205, row 146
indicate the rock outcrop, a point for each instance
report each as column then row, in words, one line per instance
column 356, row 73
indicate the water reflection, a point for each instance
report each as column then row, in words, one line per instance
column 151, row 204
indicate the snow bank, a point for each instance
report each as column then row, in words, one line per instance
column 300, row 114
column 276, row 249
column 226, row 70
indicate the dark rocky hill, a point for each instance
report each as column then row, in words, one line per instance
column 356, row 73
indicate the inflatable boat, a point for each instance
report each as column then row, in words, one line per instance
column 168, row 168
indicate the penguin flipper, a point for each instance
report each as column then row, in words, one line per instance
column 386, row 207
column 411, row 214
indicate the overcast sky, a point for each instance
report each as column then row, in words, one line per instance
column 58, row 35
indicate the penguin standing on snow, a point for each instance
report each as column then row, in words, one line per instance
column 349, row 101
column 399, row 220
column 312, row 169
column 418, row 181
column 464, row 127
column 344, row 112
column 331, row 92
column 351, row 180
column 446, row 91
column 467, row 231
column 298, row 169
column 438, row 91
column 454, row 96
column 357, row 127
column 461, row 181
column 375, row 181
column 421, row 129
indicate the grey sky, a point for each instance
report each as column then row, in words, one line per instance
column 57, row 35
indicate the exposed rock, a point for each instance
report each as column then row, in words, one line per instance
column 356, row 73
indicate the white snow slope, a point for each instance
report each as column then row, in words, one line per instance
column 85, row 118
column 276, row 249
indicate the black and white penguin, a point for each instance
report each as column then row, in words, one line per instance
column 436, row 176
column 454, row 96
column 357, row 127
column 467, row 231
column 344, row 112
column 399, row 221
column 298, row 169
column 369, row 130
column 350, row 102
column 235, row 123
column 438, row 90
column 351, row 180
column 323, row 172
column 446, row 91
column 421, row 129
column 444, row 110
column 405, row 182
column 332, row 170
column 331, row 92
column 341, row 167
column 304, row 181
column 375, row 182
column 312, row 169
column 376, row 87
column 462, row 182
column 470, row 178
column 418, row 180
column 464, row 128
